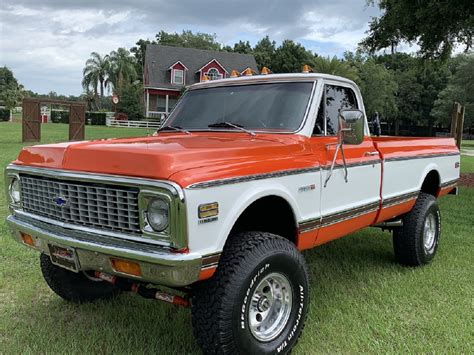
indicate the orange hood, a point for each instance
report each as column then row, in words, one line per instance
column 180, row 157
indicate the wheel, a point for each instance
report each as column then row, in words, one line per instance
column 417, row 241
column 75, row 287
column 256, row 302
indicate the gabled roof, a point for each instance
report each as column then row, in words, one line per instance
column 159, row 58
column 177, row 62
column 213, row 60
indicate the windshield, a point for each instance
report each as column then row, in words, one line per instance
column 267, row 107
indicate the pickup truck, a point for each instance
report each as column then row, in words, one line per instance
column 214, row 209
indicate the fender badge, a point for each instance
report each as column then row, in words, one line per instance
column 307, row 188
column 207, row 220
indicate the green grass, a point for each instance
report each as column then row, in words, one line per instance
column 361, row 300
column 467, row 144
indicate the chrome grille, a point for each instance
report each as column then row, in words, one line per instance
column 89, row 204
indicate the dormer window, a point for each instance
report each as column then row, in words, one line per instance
column 213, row 74
column 177, row 77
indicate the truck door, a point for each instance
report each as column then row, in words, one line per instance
column 347, row 204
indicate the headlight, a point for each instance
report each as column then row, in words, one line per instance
column 158, row 214
column 14, row 190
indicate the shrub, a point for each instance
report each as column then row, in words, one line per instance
column 59, row 116
column 95, row 118
column 121, row 116
column 4, row 114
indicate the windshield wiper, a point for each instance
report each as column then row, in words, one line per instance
column 175, row 128
column 230, row 124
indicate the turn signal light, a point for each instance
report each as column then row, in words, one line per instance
column 27, row 239
column 126, row 266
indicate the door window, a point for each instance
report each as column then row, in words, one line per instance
column 335, row 98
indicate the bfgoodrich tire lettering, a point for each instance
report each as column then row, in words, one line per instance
column 417, row 241
column 221, row 305
column 74, row 287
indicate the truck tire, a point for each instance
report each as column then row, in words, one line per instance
column 256, row 302
column 417, row 241
column 74, row 287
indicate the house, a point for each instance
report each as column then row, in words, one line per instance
column 170, row 69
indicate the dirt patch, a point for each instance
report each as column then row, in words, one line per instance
column 467, row 179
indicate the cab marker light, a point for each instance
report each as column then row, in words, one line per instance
column 234, row 73
column 265, row 71
column 307, row 69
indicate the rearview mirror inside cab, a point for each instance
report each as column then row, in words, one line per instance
column 351, row 126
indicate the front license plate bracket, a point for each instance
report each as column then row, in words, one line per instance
column 64, row 257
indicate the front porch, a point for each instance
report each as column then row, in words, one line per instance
column 160, row 102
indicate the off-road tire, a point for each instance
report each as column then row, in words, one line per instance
column 408, row 241
column 220, row 305
column 74, row 287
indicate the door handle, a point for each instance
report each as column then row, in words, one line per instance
column 369, row 154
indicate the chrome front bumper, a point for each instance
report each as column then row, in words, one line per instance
column 158, row 265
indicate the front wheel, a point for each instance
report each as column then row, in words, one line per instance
column 417, row 241
column 257, row 301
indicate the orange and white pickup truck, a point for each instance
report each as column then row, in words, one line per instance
column 215, row 208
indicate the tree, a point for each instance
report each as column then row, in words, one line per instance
column 122, row 68
column 379, row 89
column 10, row 91
column 334, row 66
column 460, row 88
column 243, row 47
column 138, row 52
column 290, row 57
column 95, row 72
column 263, row 52
column 436, row 26
column 188, row 39
column 129, row 102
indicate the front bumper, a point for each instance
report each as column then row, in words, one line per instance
column 158, row 265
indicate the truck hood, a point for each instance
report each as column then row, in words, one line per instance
column 165, row 155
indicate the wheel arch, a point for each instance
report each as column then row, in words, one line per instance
column 431, row 181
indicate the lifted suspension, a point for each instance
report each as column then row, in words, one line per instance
column 141, row 289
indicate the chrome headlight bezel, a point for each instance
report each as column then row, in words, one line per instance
column 13, row 197
column 145, row 199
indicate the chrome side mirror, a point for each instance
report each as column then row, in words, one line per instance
column 351, row 127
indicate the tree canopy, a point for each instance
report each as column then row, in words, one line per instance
column 435, row 25
column 10, row 90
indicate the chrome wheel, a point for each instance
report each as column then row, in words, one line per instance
column 270, row 307
column 429, row 232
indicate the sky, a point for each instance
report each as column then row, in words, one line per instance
column 46, row 42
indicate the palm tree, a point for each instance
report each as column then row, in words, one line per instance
column 121, row 68
column 95, row 72
column 334, row 66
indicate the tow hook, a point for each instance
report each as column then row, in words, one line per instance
column 142, row 289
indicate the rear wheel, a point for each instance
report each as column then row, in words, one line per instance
column 75, row 287
column 257, row 301
column 417, row 241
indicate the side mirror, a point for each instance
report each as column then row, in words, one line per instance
column 351, row 127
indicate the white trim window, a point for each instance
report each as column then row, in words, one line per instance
column 213, row 74
column 177, row 77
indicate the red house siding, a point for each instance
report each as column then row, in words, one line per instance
column 213, row 64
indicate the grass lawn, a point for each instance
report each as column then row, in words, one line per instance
column 361, row 300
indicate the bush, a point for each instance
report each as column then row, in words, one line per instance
column 121, row 116
column 59, row 116
column 4, row 114
column 95, row 118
